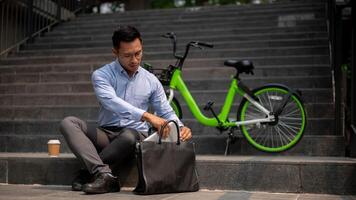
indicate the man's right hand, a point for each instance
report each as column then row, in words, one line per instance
column 156, row 122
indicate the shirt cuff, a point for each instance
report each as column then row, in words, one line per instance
column 180, row 124
column 137, row 114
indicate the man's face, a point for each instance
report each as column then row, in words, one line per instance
column 129, row 55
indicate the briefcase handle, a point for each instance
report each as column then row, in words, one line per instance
column 164, row 126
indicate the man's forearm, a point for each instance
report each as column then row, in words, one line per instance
column 146, row 117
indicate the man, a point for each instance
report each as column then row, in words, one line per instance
column 124, row 90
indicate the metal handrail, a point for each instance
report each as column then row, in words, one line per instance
column 18, row 44
column 30, row 18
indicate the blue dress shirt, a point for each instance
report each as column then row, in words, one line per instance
column 124, row 99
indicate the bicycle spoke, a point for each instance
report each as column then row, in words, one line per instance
column 285, row 136
column 251, row 112
column 272, row 134
column 281, row 123
column 254, row 108
column 269, row 100
column 259, row 135
column 251, row 116
column 264, row 141
column 276, row 103
column 262, row 100
column 297, row 125
column 282, row 139
column 290, row 111
column 290, row 131
column 288, row 105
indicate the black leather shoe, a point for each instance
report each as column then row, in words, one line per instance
column 103, row 183
column 82, row 178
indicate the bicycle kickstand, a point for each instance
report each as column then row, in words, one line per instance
column 231, row 139
column 227, row 148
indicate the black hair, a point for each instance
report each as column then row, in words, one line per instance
column 125, row 34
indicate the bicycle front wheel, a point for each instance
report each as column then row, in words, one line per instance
column 176, row 108
column 276, row 136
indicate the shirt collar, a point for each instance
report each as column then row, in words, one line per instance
column 123, row 71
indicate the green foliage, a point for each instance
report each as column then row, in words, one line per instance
column 346, row 68
column 162, row 4
column 225, row 2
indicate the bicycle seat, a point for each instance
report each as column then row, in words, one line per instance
column 242, row 66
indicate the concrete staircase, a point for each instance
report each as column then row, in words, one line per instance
column 287, row 41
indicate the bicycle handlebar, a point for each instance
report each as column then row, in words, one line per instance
column 180, row 58
column 205, row 44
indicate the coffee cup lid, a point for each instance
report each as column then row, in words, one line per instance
column 54, row 142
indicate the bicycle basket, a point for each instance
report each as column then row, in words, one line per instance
column 164, row 75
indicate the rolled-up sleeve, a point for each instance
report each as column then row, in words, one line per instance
column 107, row 97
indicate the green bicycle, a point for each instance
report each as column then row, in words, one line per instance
column 272, row 117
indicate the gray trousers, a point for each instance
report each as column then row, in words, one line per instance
column 96, row 147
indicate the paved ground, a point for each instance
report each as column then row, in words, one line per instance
column 39, row 192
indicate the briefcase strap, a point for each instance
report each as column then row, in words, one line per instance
column 164, row 126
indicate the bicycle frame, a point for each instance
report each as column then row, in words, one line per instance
column 177, row 83
column 270, row 121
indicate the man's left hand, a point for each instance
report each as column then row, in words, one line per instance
column 185, row 133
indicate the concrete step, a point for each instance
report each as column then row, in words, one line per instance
column 189, row 73
column 9, row 191
column 270, row 60
column 222, row 84
column 215, row 37
column 226, row 53
column 315, row 127
column 18, row 73
column 309, row 12
column 250, row 52
column 197, row 25
column 185, row 15
column 332, row 175
column 49, row 127
column 190, row 62
column 198, row 13
column 292, row 70
column 206, row 10
column 309, row 145
column 88, row 67
column 194, row 31
column 309, row 95
column 38, row 88
column 46, row 77
column 91, row 112
column 295, row 15
column 167, row 47
column 84, row 91
column 312, row 109
column 44, row 68
column 292, row 81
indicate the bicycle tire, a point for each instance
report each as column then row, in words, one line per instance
column 176, row 108
column 282, row 135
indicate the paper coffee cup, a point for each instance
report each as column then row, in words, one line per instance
column 53, row 148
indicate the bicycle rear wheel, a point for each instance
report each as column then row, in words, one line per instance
column 276, row 136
